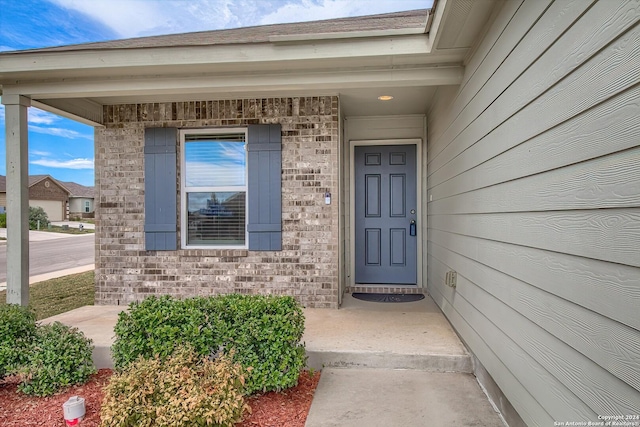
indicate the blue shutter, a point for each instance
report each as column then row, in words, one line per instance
column 160, row 213
column 264, row 147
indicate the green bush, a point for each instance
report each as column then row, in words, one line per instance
column 184, row 389
column 37, row 214
column 59, row 356
column 157, row 326
column 264, row 332
column 17, row 329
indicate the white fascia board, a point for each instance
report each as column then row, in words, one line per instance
column 75, row 62
column 284, row 38
column 301, row 81
column 436, row 23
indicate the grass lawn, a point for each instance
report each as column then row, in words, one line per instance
column 59, row 295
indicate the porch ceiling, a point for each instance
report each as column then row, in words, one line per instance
column 410, row 79
column 354, row 101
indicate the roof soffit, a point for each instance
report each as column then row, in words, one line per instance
column 458, row 23
column 172, row 60
column 427, row 75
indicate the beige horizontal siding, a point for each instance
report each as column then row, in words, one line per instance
column 535, row 187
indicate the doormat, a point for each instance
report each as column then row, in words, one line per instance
column 388, row 297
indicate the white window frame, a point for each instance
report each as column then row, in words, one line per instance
column 183, row 187
column 87, row 206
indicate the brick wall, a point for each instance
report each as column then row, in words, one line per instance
column 40, row 191
column 306, row 268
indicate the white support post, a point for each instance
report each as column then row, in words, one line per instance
column 17, row 198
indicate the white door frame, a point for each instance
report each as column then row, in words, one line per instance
column 352, row 231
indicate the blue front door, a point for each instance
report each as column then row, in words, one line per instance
column 385, row 214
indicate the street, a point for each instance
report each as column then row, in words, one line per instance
column 54, row 255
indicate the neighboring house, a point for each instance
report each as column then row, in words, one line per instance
column 45, row 192
column 81, row 200
column 509, row 154
column 59, row 199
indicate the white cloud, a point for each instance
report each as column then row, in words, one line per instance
column 64, row 133
column 64, row 164
column 127, row 18
column 35, row 116
column 39, row 153
column 39, row 121
column 134, row 18
column 42, row 117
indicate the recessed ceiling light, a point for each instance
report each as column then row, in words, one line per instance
column 385, row 97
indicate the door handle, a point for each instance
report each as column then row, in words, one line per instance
column 412, row 227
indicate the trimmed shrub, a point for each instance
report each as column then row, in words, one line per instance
column 263, row 331
column 184, row 389
column 157, row 327
column 3, row 220
column 17, row 329
column 59, row 356
column 37, row 214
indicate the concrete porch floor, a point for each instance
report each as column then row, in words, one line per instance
column 412, row 335
column 384, row 364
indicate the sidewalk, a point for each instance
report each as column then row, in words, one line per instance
column 394, row 398
column 40, row 236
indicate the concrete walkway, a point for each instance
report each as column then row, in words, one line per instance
column 407, row 398
column 383, row 364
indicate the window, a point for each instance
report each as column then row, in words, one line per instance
column 214, row 188
column 87, row 206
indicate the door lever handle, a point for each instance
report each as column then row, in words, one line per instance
column 412, row 227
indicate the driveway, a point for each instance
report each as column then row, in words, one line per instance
column 50, row 252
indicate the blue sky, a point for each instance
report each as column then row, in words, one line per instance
column 64, row 148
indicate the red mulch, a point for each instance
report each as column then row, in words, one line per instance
column 17, row 409
column 286, row 409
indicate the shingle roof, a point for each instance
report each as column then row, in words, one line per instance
column 75, row 189
column 258, row 34
column 78, row 190
column 33, row 179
